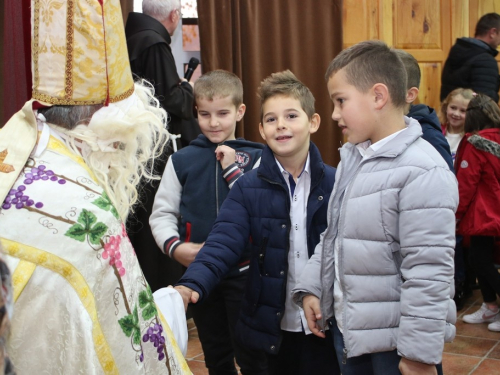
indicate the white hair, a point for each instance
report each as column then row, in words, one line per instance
column 137, row 140
column 160, row 9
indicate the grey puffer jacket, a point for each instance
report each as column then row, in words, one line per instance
column 396, row 233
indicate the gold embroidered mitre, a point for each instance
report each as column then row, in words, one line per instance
column 79, row 52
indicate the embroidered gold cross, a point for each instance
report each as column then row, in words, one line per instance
column 5, row 168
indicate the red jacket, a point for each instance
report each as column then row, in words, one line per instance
column 478, row 173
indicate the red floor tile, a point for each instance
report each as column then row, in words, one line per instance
column 197, row 367
column 476, row 330
column 472, row 346
column 193, row 349
column 488, row 367
column 459, row 364
column 495, row 353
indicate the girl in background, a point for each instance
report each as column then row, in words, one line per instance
column 478, row 214
column 452, row 117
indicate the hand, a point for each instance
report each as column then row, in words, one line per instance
column 225, row 155
column 186, row 252
column 181, row 80
column 409, row 367
column 312, row 313
column 188, row 295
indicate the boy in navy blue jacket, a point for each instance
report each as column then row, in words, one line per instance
column 425, row 115
column 194, row 184
column 280, row 208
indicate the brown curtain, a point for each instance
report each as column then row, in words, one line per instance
column 127, row 7
column 254, row 38
column 16, row 57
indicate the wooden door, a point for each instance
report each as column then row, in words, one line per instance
column 425, row 28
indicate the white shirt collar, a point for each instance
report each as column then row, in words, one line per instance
column 367, row 149
column 307, row 167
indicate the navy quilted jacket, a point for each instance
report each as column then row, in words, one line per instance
column 257, row 210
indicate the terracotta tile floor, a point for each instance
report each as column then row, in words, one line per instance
column 475, row 350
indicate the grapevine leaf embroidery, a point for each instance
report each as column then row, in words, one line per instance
column 130, row 326
column 87, row 225
column 105, row 203
column 147, row 303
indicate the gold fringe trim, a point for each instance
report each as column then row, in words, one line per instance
column 64, row 101
column 68, row 78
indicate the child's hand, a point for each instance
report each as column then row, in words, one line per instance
column 409, row 367
column 312, row 313
column 186, row 252
column 188, row 295
column 225, row 155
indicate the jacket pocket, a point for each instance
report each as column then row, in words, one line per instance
column 398, row 258
column 262, row 254
column 253, row 288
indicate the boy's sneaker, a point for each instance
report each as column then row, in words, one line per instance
column 483, row 315
column 495, row 326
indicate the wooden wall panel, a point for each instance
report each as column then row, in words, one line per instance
column 479, row 7
column 360, row 21
column 431, row 73
column 420, row 27
column 417, row 24
column 459, row 19
column 425, row 28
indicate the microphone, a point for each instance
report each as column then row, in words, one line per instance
column 192, row 65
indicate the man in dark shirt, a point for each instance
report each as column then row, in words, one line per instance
column 471, row 62
column 148, row 41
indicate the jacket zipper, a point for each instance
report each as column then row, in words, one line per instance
column 339, row 226
column 217, row 185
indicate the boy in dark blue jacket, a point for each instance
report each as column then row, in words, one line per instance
column 194, row 184
column 425, row 115
column 280, row 208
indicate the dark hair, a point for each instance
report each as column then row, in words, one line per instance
column 286, row 84
column 219, row 84
column 69, row 116
column 412, row 68
column 482, row 113
column 486, row 23
column 371, row 62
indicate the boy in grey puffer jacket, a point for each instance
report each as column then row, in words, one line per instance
column 382, row 275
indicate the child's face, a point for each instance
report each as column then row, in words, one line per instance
column 455, row 113
column 285, row 126
column 351, row 109
column 218, row 117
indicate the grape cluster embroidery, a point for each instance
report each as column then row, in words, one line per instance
column 112, row 251
column 154, row 335
column 19, row 199
column 41, row 173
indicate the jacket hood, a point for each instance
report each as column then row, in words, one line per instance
column 137, row 22
column 203, row 141
column 484, row 143
column 425, row 115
